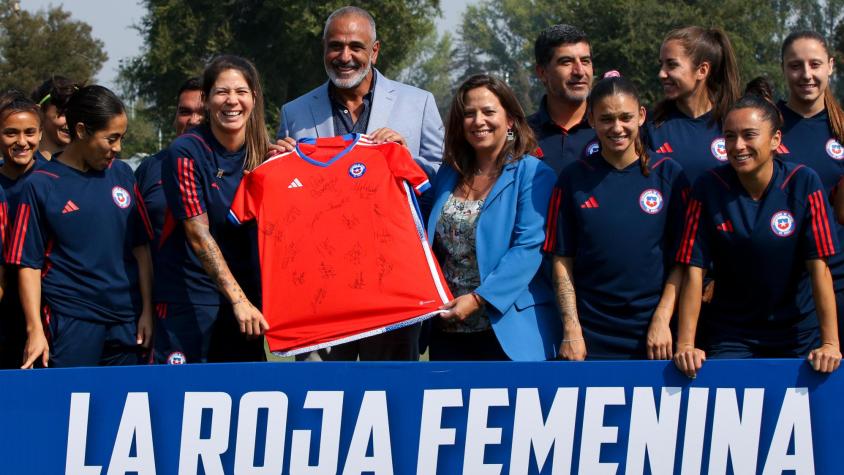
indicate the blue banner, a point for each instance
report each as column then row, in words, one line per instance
column 742, row 417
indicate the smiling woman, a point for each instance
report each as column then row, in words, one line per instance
column 765, row 225
column 207, row 289
column 486, row 227
column 78, row 216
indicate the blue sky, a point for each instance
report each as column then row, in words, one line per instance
column 112, row 22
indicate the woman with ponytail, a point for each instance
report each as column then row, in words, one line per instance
column 700, row 79
column 766, row 226
column 614, row 219
column 813, row 128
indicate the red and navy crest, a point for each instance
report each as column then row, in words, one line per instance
column 782, row 224
column 357, row 170
column 834, row 149
column 121, row 197
column 177, row 357
column 651, row 201
column 719, row 149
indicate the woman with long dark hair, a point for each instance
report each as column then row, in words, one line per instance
column 486, row 225
column 767, row 227
column 613, row 226
column 208, row 284
column 80, row 240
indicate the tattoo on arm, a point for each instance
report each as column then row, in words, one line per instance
column 209, row 254
column 566, row 299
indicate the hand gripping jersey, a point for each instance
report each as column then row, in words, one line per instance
column 760, row 249
column 343, row 251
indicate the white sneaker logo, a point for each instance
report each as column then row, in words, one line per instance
column 295, row 183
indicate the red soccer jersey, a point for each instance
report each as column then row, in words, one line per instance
column 344, row 253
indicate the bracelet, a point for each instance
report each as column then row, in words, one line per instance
column 572, row 340
column 239, row 301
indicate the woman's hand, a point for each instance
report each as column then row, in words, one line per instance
column 573, row 349
column 825, row 359
column 252, row 322
column 36, row 347
column 659, row 338
column 286, row 144
column 689, row 359
column 708, row 292
column 144, row 334
column 461, row 307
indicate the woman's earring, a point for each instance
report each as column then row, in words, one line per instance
column 511, row 136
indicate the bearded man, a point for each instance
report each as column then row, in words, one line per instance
column 357, row 98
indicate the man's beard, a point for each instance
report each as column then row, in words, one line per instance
column 351, row 82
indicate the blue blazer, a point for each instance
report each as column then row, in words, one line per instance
column 509, row 237
column 409, row 111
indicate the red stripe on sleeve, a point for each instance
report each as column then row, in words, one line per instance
column 187, row 187
column 814, row 212
column 551, row 226
column 142, row 209
column 21, row 223
column 820, row 225
column 684, row 254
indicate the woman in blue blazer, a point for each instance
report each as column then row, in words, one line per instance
column 486, row 225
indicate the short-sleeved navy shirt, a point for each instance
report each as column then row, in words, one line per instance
column 80, row 228
column 621, row 228
column 809, row 141
column 559, row 147
column 200, row 176
column 148, row 175
column 760, row 249
column 696, row 144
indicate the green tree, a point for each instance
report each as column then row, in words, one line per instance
column 282, row 37
column 35, row 46
column 432, row 69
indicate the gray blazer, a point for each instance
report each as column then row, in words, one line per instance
column 408, row 110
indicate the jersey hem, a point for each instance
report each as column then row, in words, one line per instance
column 359, row 336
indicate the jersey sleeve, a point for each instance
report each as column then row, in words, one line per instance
column 819, row 238
column 182, row 180
column 29, row 237
column 244, row 204
column 142, row 232
column 694, row 245
column 679, row 200
column 560, row 235
column 403, row 167
column 4, row 224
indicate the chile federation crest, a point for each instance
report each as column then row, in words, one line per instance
column 782, row 224
column 651, row 201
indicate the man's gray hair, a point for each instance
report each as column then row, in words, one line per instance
column 350, row 10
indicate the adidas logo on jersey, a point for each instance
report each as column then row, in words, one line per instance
column 665, row 148
column 782, row 149
column 590, row 203
column 295, row 183
column 726, row 226
column 69, row 207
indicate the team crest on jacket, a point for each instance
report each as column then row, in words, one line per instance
column 719, row 149
column 834, row 149
column 651, row 201
column 177, row 357
column 121, row 197
column 592, row 147
column 782, row 224
column 357, row 170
